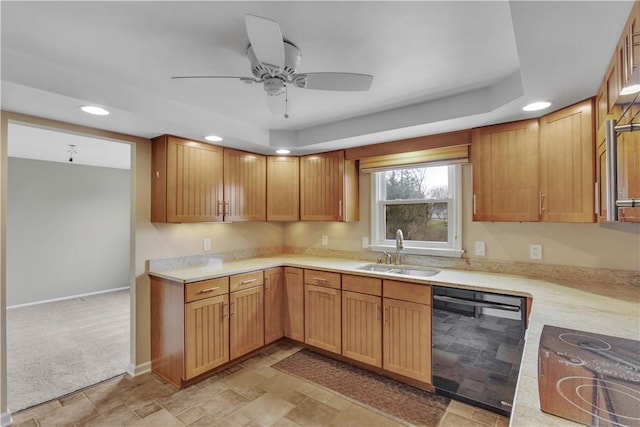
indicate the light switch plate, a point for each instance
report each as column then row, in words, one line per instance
column 480, row 248
column 206, row 243
column 365, row 242
column 535, row 251
column 325, row 240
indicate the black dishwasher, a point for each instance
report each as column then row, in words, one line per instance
column 478, row 339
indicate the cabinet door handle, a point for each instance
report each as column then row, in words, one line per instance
column 266, row 284
column 540, row 202
column 232, row 304
column 226, row 208
column 204, row 291
column 385, row 309
column 377, row 312
column 340, row 208
column 247, row 281
column 225, row 310
column 474, row 204
column 597, row 198
column 157, row 174
column 219, row 209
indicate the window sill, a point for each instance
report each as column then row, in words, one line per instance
column 443, row 252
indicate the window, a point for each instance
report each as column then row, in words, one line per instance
column 423, row 202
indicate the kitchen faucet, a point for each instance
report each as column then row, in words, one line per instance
column 399, row 245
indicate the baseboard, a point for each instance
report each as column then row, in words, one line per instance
column 66, row 298
column 135, row 370
column 5, row 419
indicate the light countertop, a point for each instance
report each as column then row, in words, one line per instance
column 603, row 309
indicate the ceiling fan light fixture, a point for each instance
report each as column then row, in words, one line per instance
column 95, row 110
column 536, row 106
column 213, row 138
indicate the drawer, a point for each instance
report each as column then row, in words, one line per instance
column 407, row 291
column 322, row 278
column 361, row 284
column 207, row 288
column 246, row 280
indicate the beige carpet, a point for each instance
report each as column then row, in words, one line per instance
column 405, row 402
column 57, row 348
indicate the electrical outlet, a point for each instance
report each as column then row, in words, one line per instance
column 365, row 242
column 535, row 251
column 206, row 243
column 480, row 248
column 325, row 240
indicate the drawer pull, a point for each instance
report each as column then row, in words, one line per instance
column 320, row 279
column 247, row 281
column 204, row 291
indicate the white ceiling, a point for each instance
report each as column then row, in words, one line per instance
column 437, row 66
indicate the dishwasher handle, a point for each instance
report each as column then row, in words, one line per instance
column 479, row 304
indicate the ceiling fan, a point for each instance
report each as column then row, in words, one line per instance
column 274, row 62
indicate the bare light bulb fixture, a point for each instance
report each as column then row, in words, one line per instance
column 71, row 150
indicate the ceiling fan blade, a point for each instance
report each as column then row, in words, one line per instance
column 266, row 40
column 279, row 105
column 333, row 81
column 244, row 79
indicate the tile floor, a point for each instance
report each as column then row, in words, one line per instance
column 248, row 394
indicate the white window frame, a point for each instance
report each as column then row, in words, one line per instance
column 452, row 248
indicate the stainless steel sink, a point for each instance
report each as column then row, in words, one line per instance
column 381, row 268
column 415, row 271
column 405, row 270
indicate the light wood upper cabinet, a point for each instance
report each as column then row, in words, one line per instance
column 629, row 174
column 273, row 304
column 186, row 180
column 505, row 172
column 245, row 186
column 283, row 188
column 567, row 173
column 328, row 188
column 293, row 303
column 406, row 335
column 246, row 321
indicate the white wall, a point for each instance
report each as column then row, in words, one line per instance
column 67, row 230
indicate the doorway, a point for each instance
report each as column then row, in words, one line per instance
column 68, row 261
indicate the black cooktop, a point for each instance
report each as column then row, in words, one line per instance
column 589, row 378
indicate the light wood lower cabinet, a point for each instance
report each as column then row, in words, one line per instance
column 246, row 321
column 406, row 336
column 362, row 328
column 273, row 309
column 206, row 335
column 322, row 318
column 293, row 303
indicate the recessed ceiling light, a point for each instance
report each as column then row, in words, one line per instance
column 628, row 90
column 535, row 106
column 213, row 138
column 282, row 151
column 95, row 110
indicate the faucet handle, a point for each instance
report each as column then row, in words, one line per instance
column 388, row 256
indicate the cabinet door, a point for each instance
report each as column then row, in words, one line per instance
column 362, row 328
column 294, row 303
column 505, row 172
column 246, row 318
column 186, row 181
column 629, row 174
column 328, row 188
column 407, row 339
column 567, row 175
column 273, row 311
column 206, row 335
column 322, row 318
column 245, row 186
column 283, row 188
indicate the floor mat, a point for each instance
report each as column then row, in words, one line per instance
column 403, row 401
